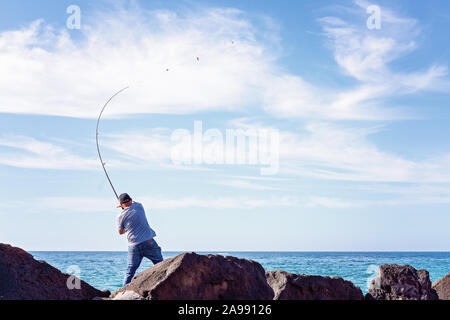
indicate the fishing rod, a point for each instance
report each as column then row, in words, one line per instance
column 96, row 137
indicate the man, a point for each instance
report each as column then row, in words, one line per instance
column 141, row 242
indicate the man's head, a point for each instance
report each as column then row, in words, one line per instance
column 125, row 200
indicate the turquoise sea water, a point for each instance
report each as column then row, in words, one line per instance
column 105, row 270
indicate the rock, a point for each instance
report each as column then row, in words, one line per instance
column 101, row 298
column 128, row 295
column 442, row 287
column 191, row 276
column 23, row 277
column 396, row 282
column 105, row 295
column 289, row 286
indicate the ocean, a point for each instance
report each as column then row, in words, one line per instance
column 105, row 270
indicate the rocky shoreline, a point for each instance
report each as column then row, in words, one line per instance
column 190, row 276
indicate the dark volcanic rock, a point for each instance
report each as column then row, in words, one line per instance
column 204, row 277
column 23, row 277
column 396, row 282
column 442, row 287
column 289, row 286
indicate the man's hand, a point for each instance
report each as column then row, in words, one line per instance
column 121, row 232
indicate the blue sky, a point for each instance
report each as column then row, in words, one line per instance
column 362, row 116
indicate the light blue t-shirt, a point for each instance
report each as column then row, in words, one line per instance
column 134, row 222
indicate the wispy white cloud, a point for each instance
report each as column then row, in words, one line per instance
column 150, row 147
column 259, row 178
column 334, row 152
column 27, row 152
column 409, row 194
column 54, row 74
column 335, row 203
column 92, row 205
column 394, row 195
column 366, row 55
column 237, row 67
column 220, row 202
column 227, row 44
column 243, row 184
column 319, row 150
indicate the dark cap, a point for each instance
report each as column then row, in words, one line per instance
column 124, row 198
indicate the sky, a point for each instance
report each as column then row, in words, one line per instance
column 354, row 96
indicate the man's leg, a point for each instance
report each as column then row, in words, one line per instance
column 152, row 251
column 134, row 260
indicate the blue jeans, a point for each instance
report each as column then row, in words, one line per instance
column 150, row 250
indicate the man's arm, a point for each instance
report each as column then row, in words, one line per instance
column 120, row 225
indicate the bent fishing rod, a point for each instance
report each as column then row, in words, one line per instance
column 96, row 138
